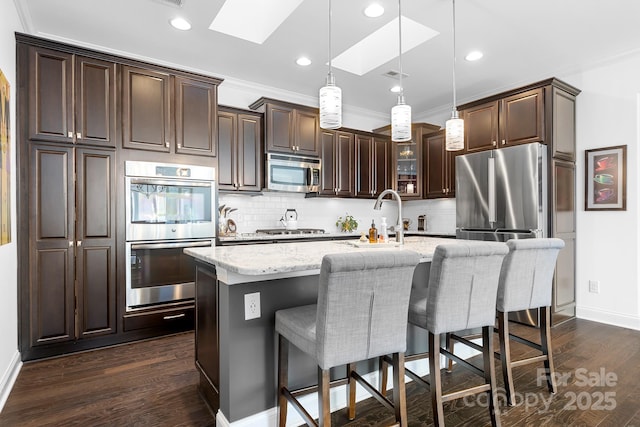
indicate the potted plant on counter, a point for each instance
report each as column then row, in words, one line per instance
column 348, row 224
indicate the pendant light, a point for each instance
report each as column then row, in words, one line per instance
column 400, row 113
column 330, row 96
column 454, row 134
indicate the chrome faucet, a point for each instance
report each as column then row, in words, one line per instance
column 398, row 228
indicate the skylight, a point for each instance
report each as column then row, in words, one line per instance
column 252, row 20
column 381, row 46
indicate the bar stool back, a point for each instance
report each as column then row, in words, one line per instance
column 525, row 283
column 361, row 313
column 463, row 284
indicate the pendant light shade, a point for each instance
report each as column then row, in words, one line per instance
column 401, row 121
column 400, row 113
column 454, row 134
column 330, row 96
column 330, row 105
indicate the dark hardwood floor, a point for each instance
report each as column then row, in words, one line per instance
column 153, row 383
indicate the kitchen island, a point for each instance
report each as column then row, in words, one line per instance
column 236, row 357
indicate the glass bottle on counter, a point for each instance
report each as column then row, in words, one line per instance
column 373, row 233
column 384, row 232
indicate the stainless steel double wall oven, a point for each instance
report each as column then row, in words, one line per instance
column 168, row 207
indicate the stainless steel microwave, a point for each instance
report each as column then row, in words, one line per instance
column 296, row 174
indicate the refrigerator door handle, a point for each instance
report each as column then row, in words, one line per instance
column 492, row 189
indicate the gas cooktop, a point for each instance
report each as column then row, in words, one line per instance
column 276, row 231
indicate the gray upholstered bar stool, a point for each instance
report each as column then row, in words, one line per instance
column 463, row 285
column 363, row 299
column 525, row 283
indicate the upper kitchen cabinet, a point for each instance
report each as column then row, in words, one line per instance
column 290, row 128
column 239, row 150
column 541, row 112
column 71, row 97
column 157, row 116
column 406, row 160
column 373, row 159
column 337, row 163
column 439, row 167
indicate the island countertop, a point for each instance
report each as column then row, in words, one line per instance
column 299, row 258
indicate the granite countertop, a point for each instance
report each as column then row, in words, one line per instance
column 279, row 258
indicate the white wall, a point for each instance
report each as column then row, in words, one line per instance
column 9, row 356
column 608, row 114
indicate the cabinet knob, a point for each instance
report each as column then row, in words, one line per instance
column 444, row 190
column 166, row 144
column 504, row 142
column 70, row 243
column 494, row 143
column 69, row 134
column 78, row 135
column 79, row 243
column 179, row 145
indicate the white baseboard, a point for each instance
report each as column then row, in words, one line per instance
column 610, row 318
column 9, row 378
column 338, row 397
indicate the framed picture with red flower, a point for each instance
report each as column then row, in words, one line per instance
column 606, row 179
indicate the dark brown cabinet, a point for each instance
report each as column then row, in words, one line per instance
column 337, row 163
column 71, row 98
column 290, row 128
column 72, row 281
column 512, row 120
column 373, row 154
column 439, row 167
column 157, row 116
column 239, row 150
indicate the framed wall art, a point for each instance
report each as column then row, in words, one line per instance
column 606, row 179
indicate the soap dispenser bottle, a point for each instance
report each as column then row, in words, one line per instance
column 373, row 233
column 384, row 232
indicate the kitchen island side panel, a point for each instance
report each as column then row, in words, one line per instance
column 248, row 348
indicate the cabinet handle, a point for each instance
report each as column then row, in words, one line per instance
column 78, row 135
column 166, row 144
column 175, row 316
column 494, row 143
column 70, row 134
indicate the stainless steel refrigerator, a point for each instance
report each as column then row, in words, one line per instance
column 502, row 194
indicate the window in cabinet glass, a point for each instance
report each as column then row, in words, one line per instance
column 407, row 170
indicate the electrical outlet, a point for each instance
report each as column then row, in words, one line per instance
column 594, row 286
column 252, row 306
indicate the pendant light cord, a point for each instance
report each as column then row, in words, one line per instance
column 330, row 69
column 400, row 46
column 454, row 55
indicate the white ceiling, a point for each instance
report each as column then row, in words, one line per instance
column 523, row 41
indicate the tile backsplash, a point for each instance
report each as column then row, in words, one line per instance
column 265, row 211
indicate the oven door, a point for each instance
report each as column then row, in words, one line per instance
column 162, row 209
column 159, row 272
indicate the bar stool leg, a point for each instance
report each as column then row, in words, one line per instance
column 382, row 375
column 505, row 356
column 545, row 341
column 283, row 380
column 351, row 390
column 399, row 390
column 450, row 345
column 435, row 380
column 324, row 404
column 490, row 374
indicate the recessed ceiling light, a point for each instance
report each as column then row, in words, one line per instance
column 374, row 10
column 473, row 56
column 180, row 24
column 396, row 89
column 303, row 61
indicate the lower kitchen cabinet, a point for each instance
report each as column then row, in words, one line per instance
column 71, row 292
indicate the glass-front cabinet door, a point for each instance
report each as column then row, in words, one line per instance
column 407, row 183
